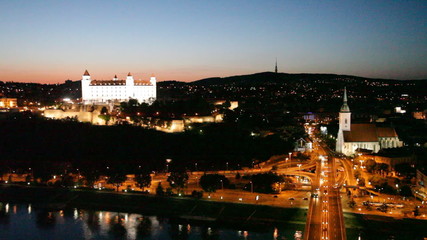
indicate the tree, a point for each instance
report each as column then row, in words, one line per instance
column 178, row 179
column 361, row 182
column 264, row 182
column 212, row 182
column 416, row 211
column 159, row 190
column 406, row 191
column 382, row 167
column 405, row 169
column 351, row 203
column 357, row 174
column 67, row 181
column 370, row 165
column 91, row 176
column 43, row 171
column 116, row 177
column 105, row 117
column 143, row 180
column 378, row 181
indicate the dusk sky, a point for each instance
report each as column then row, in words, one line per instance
column 51, row 41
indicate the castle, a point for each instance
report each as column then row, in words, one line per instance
column 368, row 136
column 115, row 90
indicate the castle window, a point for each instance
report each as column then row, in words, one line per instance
column 345, row 121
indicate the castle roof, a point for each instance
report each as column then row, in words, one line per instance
column 129, row 75
column 107, row 82
column 118, row 82
column 86, row 73
column 367, row 132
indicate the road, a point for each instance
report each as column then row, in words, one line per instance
column 325, row 218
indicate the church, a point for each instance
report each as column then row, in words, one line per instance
column 117, row 90
column 367, row 136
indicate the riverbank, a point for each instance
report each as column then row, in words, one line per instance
column 184, row 208
column 205, row 212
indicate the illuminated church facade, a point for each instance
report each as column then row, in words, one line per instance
column 366, row 136
column 117, row 90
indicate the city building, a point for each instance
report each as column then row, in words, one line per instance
column 367, row 136
column 117, row 90
column 8, row 102
column 303, row 145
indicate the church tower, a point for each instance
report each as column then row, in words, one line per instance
column 344, row 124
column 345, row 115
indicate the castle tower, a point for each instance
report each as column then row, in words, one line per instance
column 153, row 80
column 153, row 87
column 85, row 86
column 86, row 76
column 345, row 115
column 130, row 83
column 115, row 78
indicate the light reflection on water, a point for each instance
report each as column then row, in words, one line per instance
column 29, row 222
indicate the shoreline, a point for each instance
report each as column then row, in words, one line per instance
column 182, row 208
column 201, row 212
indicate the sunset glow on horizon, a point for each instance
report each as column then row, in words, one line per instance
column 52, row 41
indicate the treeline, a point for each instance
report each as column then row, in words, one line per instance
column 35, row 143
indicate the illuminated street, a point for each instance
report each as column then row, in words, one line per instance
column 325, row 218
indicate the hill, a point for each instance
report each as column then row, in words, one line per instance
column 271, row 77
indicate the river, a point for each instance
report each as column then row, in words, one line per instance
column 19, row 221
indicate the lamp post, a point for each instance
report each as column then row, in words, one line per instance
column 195, row 165
column 226, row 166
column 222, row 184
column 290, row 156
column 167, row 164
column 252, row 186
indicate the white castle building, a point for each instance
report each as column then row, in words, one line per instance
column 115, row 90
column 362, row 136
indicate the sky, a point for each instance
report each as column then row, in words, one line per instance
column 51, row 41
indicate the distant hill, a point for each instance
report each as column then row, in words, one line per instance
column 271, row 77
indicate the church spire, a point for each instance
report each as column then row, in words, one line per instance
column 345, row 95
column 344, row 107
column 275, row 68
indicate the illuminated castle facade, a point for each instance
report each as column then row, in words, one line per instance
column 115, row 90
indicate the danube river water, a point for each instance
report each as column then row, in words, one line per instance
column 26, row 222
column 18, row 221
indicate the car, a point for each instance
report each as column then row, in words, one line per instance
column 291, row 198
column 275, row 196
column 314, row 195
column 305, row 199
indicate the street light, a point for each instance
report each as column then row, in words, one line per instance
column 167, row 164
column 252, row 186
column 222, row 184
column 195, row 165
column 290, row 156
